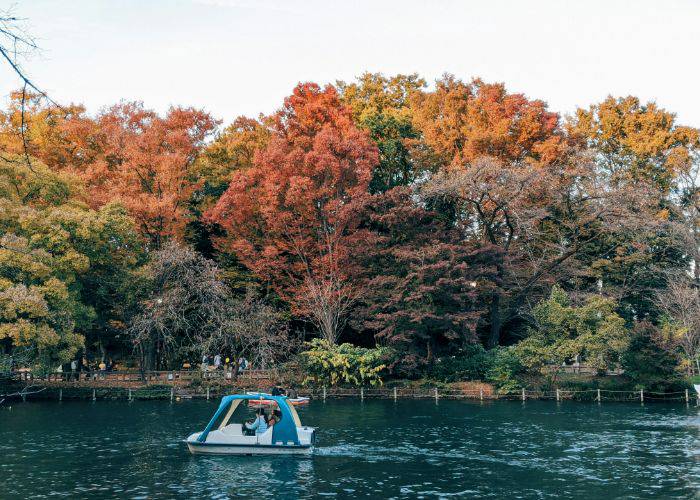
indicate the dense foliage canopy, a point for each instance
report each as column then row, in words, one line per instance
column 416, row 229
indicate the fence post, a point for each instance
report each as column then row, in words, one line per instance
column 362, row 393
column 93, row 395
column 481, row 394
column 324, row 392
column 523, row 393
column 207, row 393
column 687, row 399
column 436, row 395
column 641, row 395
column 558, row 396
column 598, row 398
column 395, row 393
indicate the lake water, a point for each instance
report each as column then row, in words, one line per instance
column 378, row 449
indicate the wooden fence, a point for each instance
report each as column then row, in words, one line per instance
column 157, row 377
column 98, row 392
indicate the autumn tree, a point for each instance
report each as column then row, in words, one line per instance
column 284, row 217
column 142, row 161
column 542, row 219
column 126, row 154
column 635, row 141
column 426, row 288
column 29, row 127
column 641, row 146
column 232, row 150
column 381, row 105
column 460, row 122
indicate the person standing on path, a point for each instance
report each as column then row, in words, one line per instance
column 205, row 364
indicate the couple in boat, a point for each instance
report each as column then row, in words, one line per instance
column 262, row 422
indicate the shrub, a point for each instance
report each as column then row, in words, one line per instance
column 647, row 363
column 505, row 370
column 472, row 364
column 332, row 364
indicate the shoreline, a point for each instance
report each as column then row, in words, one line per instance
column 94, row 392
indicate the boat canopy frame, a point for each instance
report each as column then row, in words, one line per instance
column 284, row 431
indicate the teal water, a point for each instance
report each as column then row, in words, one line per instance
column 377, row 449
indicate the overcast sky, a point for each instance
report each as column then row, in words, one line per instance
column 236, row 57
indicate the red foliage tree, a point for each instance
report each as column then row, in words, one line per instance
column 285, row 216
column 426, row 289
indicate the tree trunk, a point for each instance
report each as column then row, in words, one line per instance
column 495, row 322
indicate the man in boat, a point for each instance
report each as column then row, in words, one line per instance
column 277, row 390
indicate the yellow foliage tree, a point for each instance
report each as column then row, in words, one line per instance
column 636, row 142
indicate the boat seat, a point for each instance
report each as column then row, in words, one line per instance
column 265, row 437
column 233, row 429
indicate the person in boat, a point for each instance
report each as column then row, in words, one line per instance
column 275, row 417
column 292, row 393
column 277, row 390
column 259, row 425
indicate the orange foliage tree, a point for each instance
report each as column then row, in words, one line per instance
column 126, row 153
column 284, row 216
column 142, row 160
column 460, row 122
column 29, row 127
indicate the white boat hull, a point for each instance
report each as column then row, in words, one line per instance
column 227, row 449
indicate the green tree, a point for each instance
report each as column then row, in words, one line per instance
column 381, row 105
column 648, row 362
column 57, row 260
column 562, row 330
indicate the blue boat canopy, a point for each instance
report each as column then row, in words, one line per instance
column 284, row 431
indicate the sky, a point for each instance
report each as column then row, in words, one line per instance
column 242, row 57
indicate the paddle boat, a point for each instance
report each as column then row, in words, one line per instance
column 288, row 436
column 257, row 403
